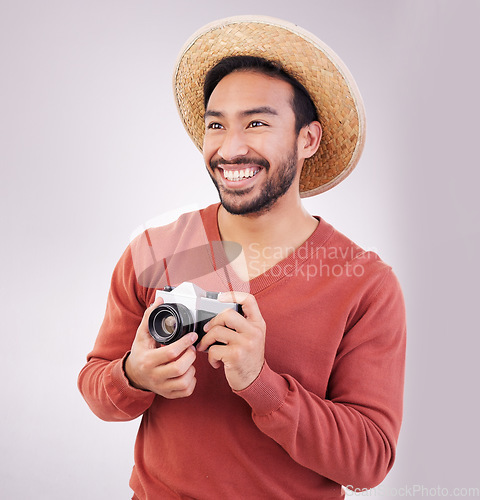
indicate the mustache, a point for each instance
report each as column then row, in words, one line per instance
column 241, row 161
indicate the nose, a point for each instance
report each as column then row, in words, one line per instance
column 233, row 145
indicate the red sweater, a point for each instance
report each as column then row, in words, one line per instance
column 326, row 408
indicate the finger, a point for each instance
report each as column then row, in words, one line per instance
column 182, row 387
column 182, row 382
column 215, row 357
column 180, row 365
column 246, row 300
column 229, row 318
column 171, row 352
column 218, row 333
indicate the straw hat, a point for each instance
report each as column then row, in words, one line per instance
column 302, row 55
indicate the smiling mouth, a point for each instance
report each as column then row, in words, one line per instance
column 240, row 174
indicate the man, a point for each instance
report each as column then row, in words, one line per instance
column 301, row 391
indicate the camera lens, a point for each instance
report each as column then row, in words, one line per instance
column 169, row 322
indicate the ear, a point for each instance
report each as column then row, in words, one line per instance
column 309, row 139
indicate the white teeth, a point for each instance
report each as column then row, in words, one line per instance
column 238, row 175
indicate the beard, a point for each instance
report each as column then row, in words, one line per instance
column 236, row 202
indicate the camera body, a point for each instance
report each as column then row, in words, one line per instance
column 186, row 308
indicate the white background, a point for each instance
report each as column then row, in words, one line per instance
column 91, row 147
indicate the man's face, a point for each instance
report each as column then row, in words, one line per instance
column 250, row 145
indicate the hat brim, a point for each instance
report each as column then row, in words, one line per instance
column 315, row 65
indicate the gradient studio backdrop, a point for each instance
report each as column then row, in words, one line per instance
column 92, row 147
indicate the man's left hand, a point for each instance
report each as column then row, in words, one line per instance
column 244, row 338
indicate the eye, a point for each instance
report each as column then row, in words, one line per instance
column 256, row 124
column 214, row 126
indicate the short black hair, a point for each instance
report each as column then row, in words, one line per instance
column 302, row 104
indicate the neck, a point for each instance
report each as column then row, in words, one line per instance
column 273, row 234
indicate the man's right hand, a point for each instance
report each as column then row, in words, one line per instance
column 166, row 370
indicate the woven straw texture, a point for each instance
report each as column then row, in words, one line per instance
column 309, row 60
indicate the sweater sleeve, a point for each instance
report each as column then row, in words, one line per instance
column 350, row 436
column 102, row 381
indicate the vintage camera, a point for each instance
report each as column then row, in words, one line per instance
column 186, row 308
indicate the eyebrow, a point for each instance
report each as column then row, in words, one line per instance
column 262, row 110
